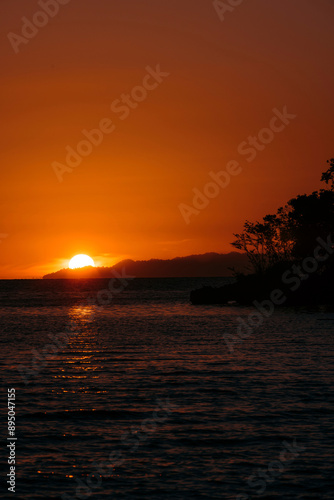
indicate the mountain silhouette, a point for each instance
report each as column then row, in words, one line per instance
column 192, row 266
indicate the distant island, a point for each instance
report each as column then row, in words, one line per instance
column 291, row 254
column 193, row 266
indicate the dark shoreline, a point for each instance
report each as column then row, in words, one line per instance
column 311, row 290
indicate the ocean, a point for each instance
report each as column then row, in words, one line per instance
column 138, row 394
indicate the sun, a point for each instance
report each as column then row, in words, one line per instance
column 81, row 260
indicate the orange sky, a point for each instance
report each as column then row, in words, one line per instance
column 225, row 78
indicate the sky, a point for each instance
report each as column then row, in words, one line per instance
column 177, row 90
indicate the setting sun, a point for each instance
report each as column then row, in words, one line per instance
column 81, row 260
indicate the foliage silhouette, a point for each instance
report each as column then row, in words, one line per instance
column 279, row 243
column 291, row 233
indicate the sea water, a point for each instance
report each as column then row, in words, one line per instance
column 142, row 398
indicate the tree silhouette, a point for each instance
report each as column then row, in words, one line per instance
column 291, row 233
column 328, row 176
